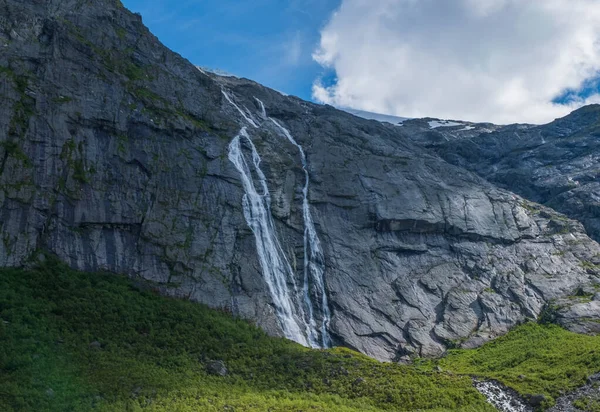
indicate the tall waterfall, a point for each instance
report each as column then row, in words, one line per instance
column 275, row 266
column 314, row 261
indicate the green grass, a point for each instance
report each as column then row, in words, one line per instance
column 154, row 352
column 588, row 404
column 532, row 359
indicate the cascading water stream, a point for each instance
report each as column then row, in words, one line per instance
column 246, row 116
column 314, row 262
column 263, row 111
column 275, row 266
column 501, row 398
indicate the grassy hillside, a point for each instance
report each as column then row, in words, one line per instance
column 71, row 341
column 533, row 359
column 74, row 342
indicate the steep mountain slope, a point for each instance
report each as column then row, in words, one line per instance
column 119, row 155
column 554, row 164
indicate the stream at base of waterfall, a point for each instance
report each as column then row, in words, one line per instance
column 500, row 397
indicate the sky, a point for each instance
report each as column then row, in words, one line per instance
column 269, row 41
column 503, row 61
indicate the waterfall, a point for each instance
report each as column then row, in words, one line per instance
column 275, row 266
column 314, row 261
column 246, row 116
column 263, row 111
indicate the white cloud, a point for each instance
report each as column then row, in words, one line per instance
column 481, row 60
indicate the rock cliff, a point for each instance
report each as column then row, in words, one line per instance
column 119, row 155
column 554, row 164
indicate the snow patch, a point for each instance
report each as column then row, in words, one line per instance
column 434, row 124
column 384, row 118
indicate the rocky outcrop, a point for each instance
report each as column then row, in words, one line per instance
column 116, row 156
column 554, row 164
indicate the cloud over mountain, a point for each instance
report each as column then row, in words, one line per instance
column 481, row 60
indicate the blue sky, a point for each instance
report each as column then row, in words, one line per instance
column 270, row 41
column 502, row 61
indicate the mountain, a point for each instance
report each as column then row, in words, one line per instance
column 119, row 155
column 553, row 164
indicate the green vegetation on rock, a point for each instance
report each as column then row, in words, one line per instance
column 74, row 341
column 533, row 359
column 588, row 404
column 78, row 342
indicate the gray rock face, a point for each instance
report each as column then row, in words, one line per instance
column 554, row 164
column 114, row 156
column 216, row 368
